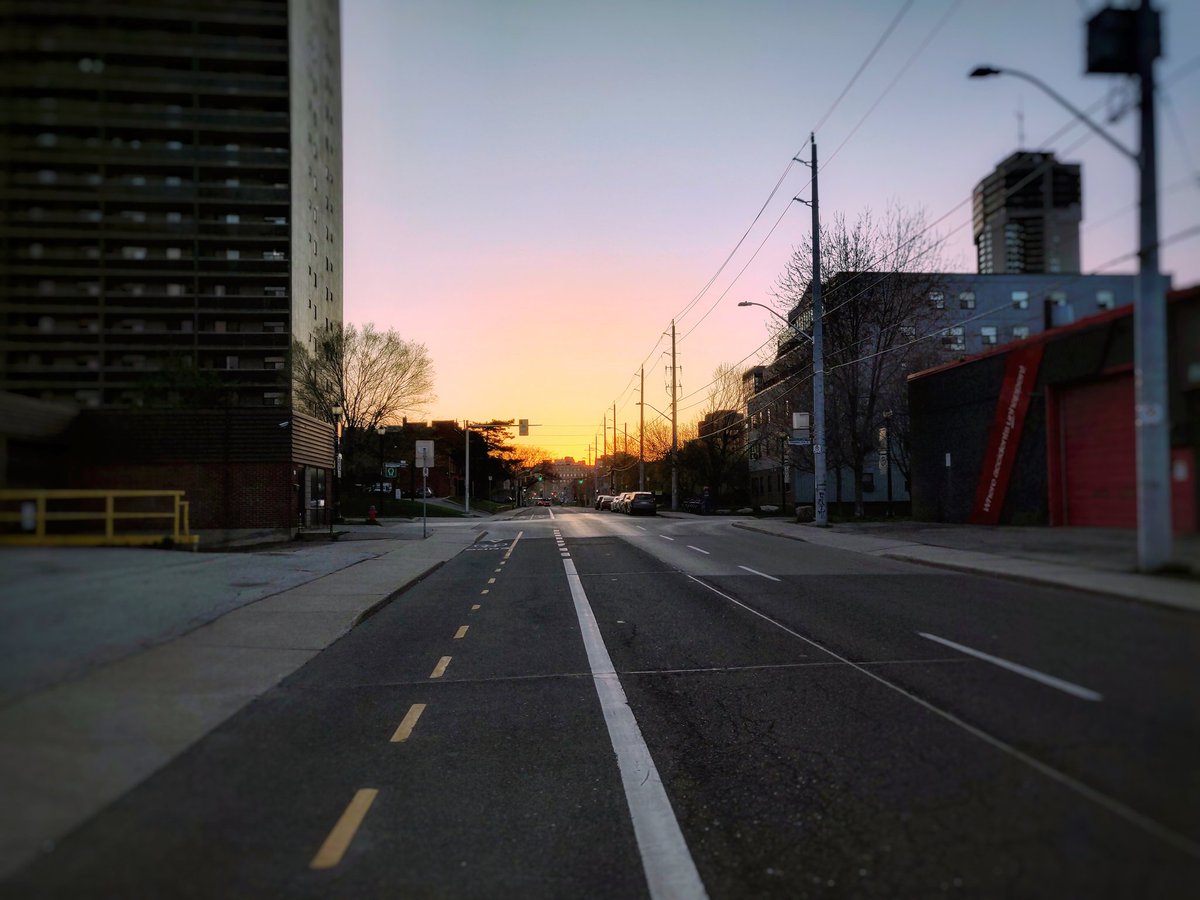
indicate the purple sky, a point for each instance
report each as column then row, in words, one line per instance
column 534, row 189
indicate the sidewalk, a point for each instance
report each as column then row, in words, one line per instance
column 1099, row 560
column 115, row 661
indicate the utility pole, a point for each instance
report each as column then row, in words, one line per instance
column 612, row 469
column 642, row 434
column 467, row 467
column 596, row 463
column 821, row 512
column 1152, row 410
column 674, row 426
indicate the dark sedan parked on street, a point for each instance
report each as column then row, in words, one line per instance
column 641, row 502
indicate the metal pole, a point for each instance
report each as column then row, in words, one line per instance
column 674, row 426
column 1152, row 409
column 612, row 468
column 821, row 513
column 467, row 468
column 642, row 435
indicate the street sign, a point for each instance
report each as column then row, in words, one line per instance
column 883, row 462
column 424, row 453
column 424, row 473
column 799, row 442
column 390, row 470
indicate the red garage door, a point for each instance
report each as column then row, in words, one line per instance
column 1098, row 453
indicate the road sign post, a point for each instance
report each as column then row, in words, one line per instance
column 424, row 454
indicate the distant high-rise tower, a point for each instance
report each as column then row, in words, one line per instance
column 170, row 198
column 1027, row 214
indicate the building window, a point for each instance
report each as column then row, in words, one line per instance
column 231, row 362
column 938, row 299
column 1020, row 299
column 988, row 334
column 908, row 331
column 954, row 338
column 1020, row 332
column 1105, row 300
column 272, row 398
column 966, row 300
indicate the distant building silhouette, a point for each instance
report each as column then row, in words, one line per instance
column 1026, row 216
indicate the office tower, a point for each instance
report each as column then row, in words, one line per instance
column 170, row 198
column 1026, row 216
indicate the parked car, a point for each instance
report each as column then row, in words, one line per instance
column 605, row 501
column 622, row 504
column 641, row 502
column 543, row 501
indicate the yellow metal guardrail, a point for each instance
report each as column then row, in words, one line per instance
column 94, row 518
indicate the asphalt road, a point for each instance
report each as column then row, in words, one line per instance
column 587, row 704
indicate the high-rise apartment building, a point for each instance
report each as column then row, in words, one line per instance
column 170, row 197
column 1026, row 216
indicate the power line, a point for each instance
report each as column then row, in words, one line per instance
column 887, row 32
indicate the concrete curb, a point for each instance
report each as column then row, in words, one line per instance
column 1153, row 589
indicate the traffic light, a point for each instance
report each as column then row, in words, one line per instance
column 581, row 481
column 539, row 478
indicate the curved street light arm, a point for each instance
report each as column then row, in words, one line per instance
column 986, row 71
column 795, row 328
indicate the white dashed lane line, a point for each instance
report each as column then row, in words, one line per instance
column 762, row 574
column 698, row 550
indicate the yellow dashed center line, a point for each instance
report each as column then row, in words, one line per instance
column 461, row 633
column 408, row 723
column 440, row 669
column 491, row 581
column 339, row 839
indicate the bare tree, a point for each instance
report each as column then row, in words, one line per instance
column 716, row 456
column 376, row 377
column 880, row 294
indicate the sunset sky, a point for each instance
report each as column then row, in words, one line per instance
column 535, row 189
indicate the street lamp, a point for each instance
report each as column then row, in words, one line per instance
column 820, row 509
column 1151, row 410
column 381, row 430
column 335, row 495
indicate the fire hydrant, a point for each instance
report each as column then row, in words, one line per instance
column 371, row 513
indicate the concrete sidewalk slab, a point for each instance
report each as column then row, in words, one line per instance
column 68, row 750
column 1072, row 572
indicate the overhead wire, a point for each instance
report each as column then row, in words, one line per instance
column 775, row 189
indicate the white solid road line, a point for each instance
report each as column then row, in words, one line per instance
column 1179, row 841
column 666, row 860
column 763, row 574
column 698, row 550
column 665, row 538
column 1065, row 686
